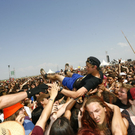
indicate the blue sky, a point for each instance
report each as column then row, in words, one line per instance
column 46, row 34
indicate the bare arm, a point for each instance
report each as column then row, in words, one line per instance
column 47, row 110
column 119, row 125
column 63, row 108
column 75, row 94
column 68, row 109
column 11, row 99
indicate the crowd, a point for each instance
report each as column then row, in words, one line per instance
column 90, row 101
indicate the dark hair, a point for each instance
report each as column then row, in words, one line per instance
column 25, row 86
column 61, row 127
column 133, row 82
column 112, row 75
column 36, row 114
column 74, row 120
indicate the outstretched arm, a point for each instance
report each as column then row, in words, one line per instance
column 74, row 94
column 11, row 99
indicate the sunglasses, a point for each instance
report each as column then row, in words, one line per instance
column 90, row 61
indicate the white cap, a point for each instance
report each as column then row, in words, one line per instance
column 122, row 73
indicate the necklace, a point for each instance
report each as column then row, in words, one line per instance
column 132, row 111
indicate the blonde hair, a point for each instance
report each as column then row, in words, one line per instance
column 126, row 86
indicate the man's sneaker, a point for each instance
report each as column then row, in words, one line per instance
column 42, row 72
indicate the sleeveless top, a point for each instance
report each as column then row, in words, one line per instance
column 131, row 128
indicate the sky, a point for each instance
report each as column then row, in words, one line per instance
column 47, row 34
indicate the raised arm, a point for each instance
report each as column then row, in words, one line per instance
column 47, row 110
column 119, row 124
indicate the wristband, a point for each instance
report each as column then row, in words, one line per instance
column 61, row 88
column 51, row 99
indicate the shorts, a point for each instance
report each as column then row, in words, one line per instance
column 69, row 81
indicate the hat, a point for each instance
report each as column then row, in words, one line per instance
column 11, row 128
column 132, row 93
column 122, row 73
column 11, row 110
column 93, row 60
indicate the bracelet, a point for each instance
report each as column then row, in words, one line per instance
column 51, row 99
column 61, row 88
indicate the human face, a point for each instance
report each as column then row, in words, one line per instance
column 45, row 101
column 116, row 88
column 129, row 77
column 31, row 103
column 122, row 94
column 96, row 112
column 110, row 80
column 89, row 68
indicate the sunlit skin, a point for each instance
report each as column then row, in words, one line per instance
column 21, row 110
column 96, row 112
column 122, row 95
column 116, row 88
column 89, row 68
column 44, row 102
column 129, row 77
column 110, row 80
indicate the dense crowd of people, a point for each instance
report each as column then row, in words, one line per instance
column 94, row 100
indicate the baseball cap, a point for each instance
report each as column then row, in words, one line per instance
column 11, row 110
column 93, row 60
column 131, row 93
column 122, row 73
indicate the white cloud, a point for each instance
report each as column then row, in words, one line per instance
column 122, row 44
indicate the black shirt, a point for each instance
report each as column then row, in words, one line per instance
column 89, row 81
column 120, row 104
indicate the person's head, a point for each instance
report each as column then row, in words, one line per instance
column 33, row 85
column 11, row 128
column 131, row 97
column 123, row 74
column 61, row 127
column 74, row 120
column 97, row 113
column 122, row 93
column 133, row 83
column 42, row 99
column 117, row 87
column 111, row 78
column 67, row 66
column 36, row 114
column 92, row 64
column 28, row 102
column 25, row 87
column 10, row 113
column 129, row 77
